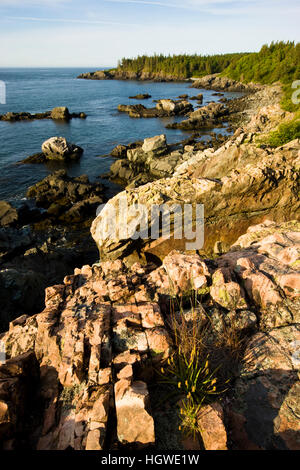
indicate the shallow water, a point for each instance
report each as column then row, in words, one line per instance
column 39, row 90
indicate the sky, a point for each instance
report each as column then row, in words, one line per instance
column 96, row 33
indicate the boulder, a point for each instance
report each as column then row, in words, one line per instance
column 120, row 74
column 75, row 348
column 119, row 151
column 36, row 158
column 97, row 75
column 57, row 148
column 20, row 291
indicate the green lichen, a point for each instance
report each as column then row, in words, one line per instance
column 68, row 395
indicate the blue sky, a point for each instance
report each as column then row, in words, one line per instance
column 96, row 33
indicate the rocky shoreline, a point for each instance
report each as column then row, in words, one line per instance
column 59, row 114
column 209, row 82
column 89, row 355
column 92, row 357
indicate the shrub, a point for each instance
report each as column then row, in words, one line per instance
column 191, row 374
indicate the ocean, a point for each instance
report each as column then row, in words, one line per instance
column 39, row 90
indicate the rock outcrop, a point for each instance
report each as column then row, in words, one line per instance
column 93, row 326
column 68, row 200
column 119, row 74
column 180, row 107
column 79, row 375
column 57, row 149
column 8, row 214
column 210, row 115
column 242, row 110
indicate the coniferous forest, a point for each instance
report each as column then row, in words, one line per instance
column 279, row 61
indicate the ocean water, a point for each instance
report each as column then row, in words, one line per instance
column 39, row 90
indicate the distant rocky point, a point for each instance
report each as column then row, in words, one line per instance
column 55, row 148
column 217, row 83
